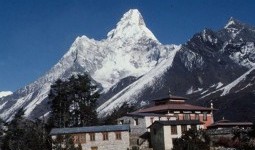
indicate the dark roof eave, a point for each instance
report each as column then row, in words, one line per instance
column 105, row 128
column 169, row 98
column 178, row 122
column 141, row 114
column 231, row 124
column 177, row 109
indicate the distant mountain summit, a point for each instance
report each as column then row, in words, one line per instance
column 131, row 27
column 129, row 52
column 132, row 66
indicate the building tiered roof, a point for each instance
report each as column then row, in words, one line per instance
column 179, row 122
column 172, row 103
column 227, row 124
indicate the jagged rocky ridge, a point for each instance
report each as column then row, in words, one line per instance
column 132, row 66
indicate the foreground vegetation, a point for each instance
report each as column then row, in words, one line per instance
column 73, row 104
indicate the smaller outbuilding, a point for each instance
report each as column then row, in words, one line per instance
column 163, row 133
column 110, row 137
column 227, row 124
column 226, row 127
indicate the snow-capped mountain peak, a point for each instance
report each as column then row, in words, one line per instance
column 234, row 27
column 132, row 66
column 131, row 27
column 232, row 22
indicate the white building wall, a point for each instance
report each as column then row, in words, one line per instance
column 168, row 137
column 156, row 118
column 111, row 144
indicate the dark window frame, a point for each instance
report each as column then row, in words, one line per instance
column 136, row 122
column 184, row 128
column 105, row 136
column 118, row 135
column 186, row 116
column 174, row 130
column 196, row 116
column 92, row 136
column 204, row 116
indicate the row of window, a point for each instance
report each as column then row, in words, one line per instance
column 183, row 129
column 187, row 116
column 81, row 138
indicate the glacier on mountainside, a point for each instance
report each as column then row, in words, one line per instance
column 130, row 93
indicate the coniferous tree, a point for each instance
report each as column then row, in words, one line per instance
column 59, row 104
column 73, row 102
column 65, row 142
column 16, row 131
column 24, row 134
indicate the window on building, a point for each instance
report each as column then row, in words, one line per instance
column 79, row 138
column 105, row 136
column 193, row 127
column 204, row 116
column 92, row 136
column 94, row 148
column 186, row 117
column 137, row 142
column 152, row 119
column 181, row 116
column 176, row 116
column 184, row 128
column 118, row 135
column 75, row 138
column 173, row 129
column 196, row 116
column 82, row 138
column 121, row 122
column 135, row 121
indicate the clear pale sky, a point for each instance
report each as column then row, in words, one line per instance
column 35, row 34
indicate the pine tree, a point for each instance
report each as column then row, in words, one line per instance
column 73, row 102
column 59, row 104
column 15, row 131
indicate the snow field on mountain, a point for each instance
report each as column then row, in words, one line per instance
column 130, row 93
column 5, row 93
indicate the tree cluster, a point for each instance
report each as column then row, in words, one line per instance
column 73, row 102
column 24, row 134
column 65, row 142
column 243, row 139
column 192, row 140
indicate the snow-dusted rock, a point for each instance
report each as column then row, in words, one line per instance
column 5, row 93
